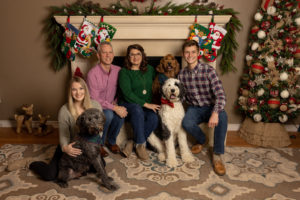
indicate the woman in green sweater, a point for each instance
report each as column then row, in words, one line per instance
column 135, row 81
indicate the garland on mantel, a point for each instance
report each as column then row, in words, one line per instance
column 54, row 31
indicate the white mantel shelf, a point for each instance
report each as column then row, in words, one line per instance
column 148, row 27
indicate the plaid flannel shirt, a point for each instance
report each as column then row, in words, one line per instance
column 203, row 87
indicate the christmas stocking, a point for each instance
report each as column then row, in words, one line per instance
column 85, row 38
column 105, row 33
column 213, row 42
column 199, row 33
column 69, row 40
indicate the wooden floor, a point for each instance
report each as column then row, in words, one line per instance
column 9, row 136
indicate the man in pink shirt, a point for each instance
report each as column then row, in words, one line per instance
column 102, row 81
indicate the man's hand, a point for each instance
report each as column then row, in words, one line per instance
column 213, row 120
column 68, row 149
column 121, row 111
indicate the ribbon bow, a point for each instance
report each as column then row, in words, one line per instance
column 166, row 101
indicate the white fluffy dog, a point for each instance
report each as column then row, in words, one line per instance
column 171, row 114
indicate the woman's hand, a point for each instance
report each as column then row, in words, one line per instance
column 68, row 149
column 151, row 106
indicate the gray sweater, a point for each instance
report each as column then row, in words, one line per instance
column 67, row 123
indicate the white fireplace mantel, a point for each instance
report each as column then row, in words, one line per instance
column 159, row 35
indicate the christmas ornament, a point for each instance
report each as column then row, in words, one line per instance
column 257, row 117
column 257, row 68
column 288, row 40
column 265, row 25
column 274, row 93
column 297, row 53
column 297, row 21
column 266, row 3
column 273, row 103
column 283, row 107
column 254, row 29
column 251, row 83
column 261, row 34
column 252, row 101
column 283, row 76
column 284, row 94
column 292, row 100
column 245, row 92
column 271, row 10
column 249, row 59
column 283, row 118
column 254, row 46
column 258, row 16
column 260, row 92
column 259, row 80
column 85, row 39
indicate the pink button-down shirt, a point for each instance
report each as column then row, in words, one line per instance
column 103, row 85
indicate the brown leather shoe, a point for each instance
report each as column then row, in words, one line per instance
column 219, row 168
column 103, row 152
column 197, row 148
column 114, row 148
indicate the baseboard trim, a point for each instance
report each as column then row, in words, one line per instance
column 231, row 127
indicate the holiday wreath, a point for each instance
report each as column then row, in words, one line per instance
column 55, row 31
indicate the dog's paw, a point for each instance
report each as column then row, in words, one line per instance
column 172, row 162
column 187, row 158
column 63, row 184
column 161, row 156
column 110, row 186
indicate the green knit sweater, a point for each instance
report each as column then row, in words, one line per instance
column 132, row 84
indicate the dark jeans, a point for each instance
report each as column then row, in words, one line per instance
column 112, row 126
column 143, row 121
column 196, row 115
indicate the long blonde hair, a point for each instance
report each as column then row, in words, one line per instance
column 86, row 101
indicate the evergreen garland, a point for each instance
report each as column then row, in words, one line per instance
column 55, row 31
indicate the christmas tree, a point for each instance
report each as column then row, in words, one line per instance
column 269, row 90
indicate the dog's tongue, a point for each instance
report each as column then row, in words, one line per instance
column 172, row 96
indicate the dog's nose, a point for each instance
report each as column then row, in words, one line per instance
column 172, row 90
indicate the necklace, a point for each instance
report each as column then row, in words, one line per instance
column 144, row 83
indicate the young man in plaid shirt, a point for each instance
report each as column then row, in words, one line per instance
column 206, row 99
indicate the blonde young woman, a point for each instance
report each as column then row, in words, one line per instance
column 78, row 101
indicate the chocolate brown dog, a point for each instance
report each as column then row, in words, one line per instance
column 90, row 124
column 168, row 68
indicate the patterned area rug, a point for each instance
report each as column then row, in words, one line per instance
column 252, row 173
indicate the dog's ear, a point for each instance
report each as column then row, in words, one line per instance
column 80, row 120
column 160, row 67
column 177, row 67
column 182, row 90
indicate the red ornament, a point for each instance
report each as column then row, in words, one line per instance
column 254, row 29
column 297, row 53
column 274, row 93
column 252, row 101
column 265, row 25
column 291, row 48
column 292, row 100
column 288, row 40
column 273, row 103
column 251, row 83
column 257, row 68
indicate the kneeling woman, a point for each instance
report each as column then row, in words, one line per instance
column 135, row 81
column 78, row 101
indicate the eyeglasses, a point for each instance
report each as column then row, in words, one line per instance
column 135, row 55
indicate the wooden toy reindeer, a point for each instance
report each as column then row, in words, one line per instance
column 43, row 128
column 25, row 117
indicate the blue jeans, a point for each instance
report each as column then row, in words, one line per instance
column 196, row 115
column 112, row 126
column 143, row 121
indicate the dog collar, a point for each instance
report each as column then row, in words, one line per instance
column 93, row 139
column 165, row 101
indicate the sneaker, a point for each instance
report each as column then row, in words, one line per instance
column 142, row 152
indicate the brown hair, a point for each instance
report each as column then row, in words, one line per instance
column 127, row 62
column 86, row 101
column 190, row 43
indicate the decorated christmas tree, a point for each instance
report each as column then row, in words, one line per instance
column 269, row 90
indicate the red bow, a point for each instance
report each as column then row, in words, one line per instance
column 165, row 101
